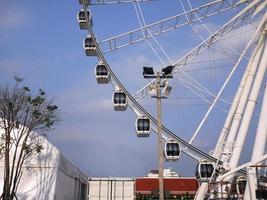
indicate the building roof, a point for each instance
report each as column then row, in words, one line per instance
column 167, row 173
column 111, row 179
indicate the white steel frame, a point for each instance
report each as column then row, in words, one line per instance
column 240, row 105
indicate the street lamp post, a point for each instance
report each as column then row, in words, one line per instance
column 166, row 73
column 160, row 151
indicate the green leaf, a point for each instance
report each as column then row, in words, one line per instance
column 18, row 79
column 27, row 149
column 52, row 107
column 41, row 92
column 36, row 114
column 26, row 88
column 29, row 98
column 38, row 148
column 37, row 101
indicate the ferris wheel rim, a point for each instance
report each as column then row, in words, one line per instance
column 190, row 150
column 186, row 147
column 196, row 154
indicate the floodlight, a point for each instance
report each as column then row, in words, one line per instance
column 167, row 70
column 148, row 71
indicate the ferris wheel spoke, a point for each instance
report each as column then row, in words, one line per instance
column 204, row 45
column 222, row 89
column 165, row 25
column 260, row 8
column 191, row 80
column 242, row 56
column 187, row 148
column 197, row 93
column 139, row 110
column 225, row 47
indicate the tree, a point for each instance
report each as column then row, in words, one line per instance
column 22, row 115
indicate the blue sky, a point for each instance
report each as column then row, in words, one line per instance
column 41, row 41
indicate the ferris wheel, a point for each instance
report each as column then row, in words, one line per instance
column 232, row 52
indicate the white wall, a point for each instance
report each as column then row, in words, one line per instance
column 111, row 189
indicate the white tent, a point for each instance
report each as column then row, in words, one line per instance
column 49, row 175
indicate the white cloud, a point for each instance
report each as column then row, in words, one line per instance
column 8, row 63
column 87, row 106
column 10, row 67
column 226, row 51
column 11, row 17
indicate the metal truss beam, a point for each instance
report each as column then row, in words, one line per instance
column 203, row 46
column 103, row 2
column 167, row 24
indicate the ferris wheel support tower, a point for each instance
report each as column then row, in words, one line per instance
column 258, row 150
column 243, row 130
column 260, row 62
column 251, row 103
column 236, row 111
column 239, row 113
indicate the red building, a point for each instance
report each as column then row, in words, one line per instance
column 174, row 187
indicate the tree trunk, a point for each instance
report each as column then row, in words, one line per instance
column 6, row 188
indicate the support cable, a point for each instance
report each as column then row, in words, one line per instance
column 186, row 84
column 201, row 87
column 207, row 43
column 147, row 40
column 137, row 108
column 208, row 30
column 222, row 89
column 224, row 85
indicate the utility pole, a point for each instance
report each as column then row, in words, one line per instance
column 166, row 73
column 160, row 151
